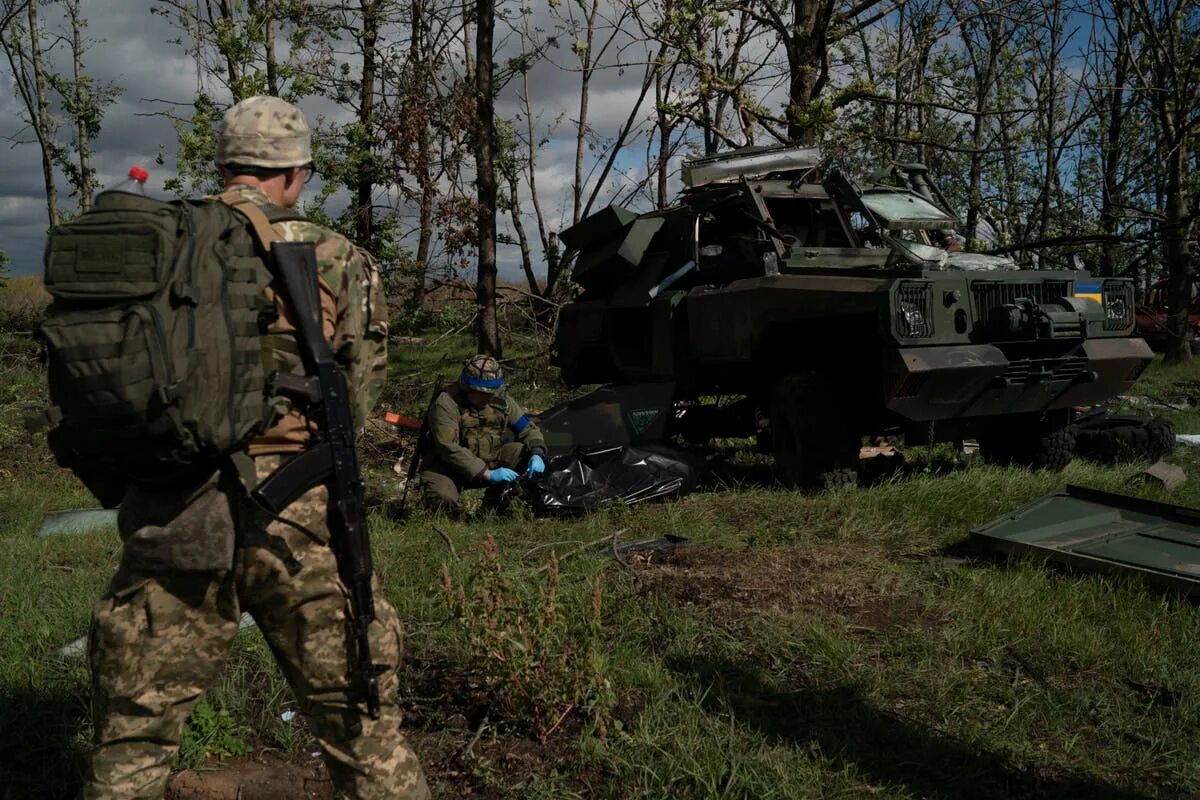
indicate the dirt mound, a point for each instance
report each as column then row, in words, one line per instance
column 735, row 584
column 268, row 776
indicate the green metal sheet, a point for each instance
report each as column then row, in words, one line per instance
column 1097, row 531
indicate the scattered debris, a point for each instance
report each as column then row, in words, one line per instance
column 1166, row 475
column 288, row 716
column 1191, row 439
column 76, row 522
column 77, row 648
column 1095, row 531
column 1146, row 402
column 643, row 551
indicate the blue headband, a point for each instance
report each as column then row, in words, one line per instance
column 479, row 383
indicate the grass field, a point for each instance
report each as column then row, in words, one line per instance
column 832, row 645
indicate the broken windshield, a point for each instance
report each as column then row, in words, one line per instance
column 901, row 210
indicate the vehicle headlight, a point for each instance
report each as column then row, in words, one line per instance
column 1117, row 299
column 913, row 320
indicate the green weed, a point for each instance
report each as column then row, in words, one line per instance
column 539, row 664
column 210, row 732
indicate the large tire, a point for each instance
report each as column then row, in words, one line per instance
column 1029, row 441
column 1113, row 439
column 814, row 439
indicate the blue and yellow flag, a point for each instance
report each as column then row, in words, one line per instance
column 1091, row 290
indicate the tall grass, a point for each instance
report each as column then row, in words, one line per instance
column 23, row 301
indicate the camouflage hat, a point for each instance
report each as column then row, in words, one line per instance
column 264, row 132
column 482, row 373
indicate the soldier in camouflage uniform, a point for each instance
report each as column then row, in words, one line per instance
column 479, row 436
column 196, row 556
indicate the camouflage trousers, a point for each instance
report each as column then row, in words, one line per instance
column 442, row 491
column 192, row 562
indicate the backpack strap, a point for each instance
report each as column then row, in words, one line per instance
column 263, row 232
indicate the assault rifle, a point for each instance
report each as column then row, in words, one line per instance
column 330, row 459
column 414, row 464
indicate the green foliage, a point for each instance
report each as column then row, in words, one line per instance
column 538, row 660
column 197, row 174
column 210, row 732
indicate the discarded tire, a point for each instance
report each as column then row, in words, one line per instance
column 1112, row 439
column 1026, row 441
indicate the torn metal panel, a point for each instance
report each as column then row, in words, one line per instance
column 1097, row 531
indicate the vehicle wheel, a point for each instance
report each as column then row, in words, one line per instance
column 1029, row 441
column 1109, row 440
column 814, row 439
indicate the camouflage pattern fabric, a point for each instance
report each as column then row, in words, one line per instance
column 159, row 634
column 360, row 327
column 482, row 373
column 264, row 132
column 466, row 440
column 442, row 492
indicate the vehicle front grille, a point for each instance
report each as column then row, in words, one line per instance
column 1118, row 305
column 914, row 310
column 987, row 295
column 1030, row 370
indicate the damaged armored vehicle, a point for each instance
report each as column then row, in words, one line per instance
column 781, row 299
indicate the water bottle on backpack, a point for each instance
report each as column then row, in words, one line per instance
column 135, row 183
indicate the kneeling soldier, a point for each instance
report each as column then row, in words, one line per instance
column 479, row 436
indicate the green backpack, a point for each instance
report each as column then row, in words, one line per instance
column 154, row 339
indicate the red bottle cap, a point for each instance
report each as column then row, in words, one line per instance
column 138, row 174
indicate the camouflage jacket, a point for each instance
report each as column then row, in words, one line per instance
column 466, row 441
column 354, row 312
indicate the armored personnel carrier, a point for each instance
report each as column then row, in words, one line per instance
column 780, row 298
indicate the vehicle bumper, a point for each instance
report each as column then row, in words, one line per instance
column 936, row 383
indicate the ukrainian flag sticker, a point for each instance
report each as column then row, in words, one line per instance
column 1090, row 290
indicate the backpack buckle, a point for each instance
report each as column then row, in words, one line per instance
column 167, row 395
column 184, row 292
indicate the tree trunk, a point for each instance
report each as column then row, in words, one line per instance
column 585, row 79
column 81, row 105
column 1179, row 261
column 41, row 113
column 1110, row 156
column 514, row 210
column 487, row 327
column 365, row 189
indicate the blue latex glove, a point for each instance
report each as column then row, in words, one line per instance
column 536, row 466
column 502, row 475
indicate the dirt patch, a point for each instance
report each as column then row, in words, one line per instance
column 735, row 584
column 269, row 776
column 467, row 750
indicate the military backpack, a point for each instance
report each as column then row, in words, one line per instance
column 154, row 338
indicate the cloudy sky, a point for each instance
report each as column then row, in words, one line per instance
column 132, row 48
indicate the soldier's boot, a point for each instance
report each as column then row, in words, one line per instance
column 440, row 493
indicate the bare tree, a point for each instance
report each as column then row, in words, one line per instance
column 1166, row 74
column 23, row 48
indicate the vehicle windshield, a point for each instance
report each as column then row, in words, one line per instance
column 903, row 210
